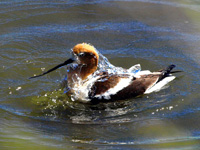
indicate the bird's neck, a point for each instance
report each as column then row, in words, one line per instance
column 86, row 70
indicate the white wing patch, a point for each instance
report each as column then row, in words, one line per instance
column 124, row 82
column 158, row 86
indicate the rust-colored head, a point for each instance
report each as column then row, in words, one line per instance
column 87, row 61
column 88, row 57
column 84, row 50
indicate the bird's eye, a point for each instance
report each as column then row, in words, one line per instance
column 81, row 54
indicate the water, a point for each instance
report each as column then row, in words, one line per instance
column 37, row 35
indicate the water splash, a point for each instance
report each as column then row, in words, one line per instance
column 80, row 88
column 105, row 65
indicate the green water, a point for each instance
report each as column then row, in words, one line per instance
column 37, row 35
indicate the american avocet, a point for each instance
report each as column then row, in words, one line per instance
column 86, row 82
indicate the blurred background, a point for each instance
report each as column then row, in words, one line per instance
column 36, row 35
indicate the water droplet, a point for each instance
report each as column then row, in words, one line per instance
column 54, row 100
column 42, row 69
column 18, row 88
column 170, row 107
column 162, row 108
column 186, row 21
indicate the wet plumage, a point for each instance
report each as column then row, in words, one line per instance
column 86, row 83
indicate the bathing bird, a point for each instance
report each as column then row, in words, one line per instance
column 86, row 82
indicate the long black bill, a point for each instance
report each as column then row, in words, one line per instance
column 71, row 60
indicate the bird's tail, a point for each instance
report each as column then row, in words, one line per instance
column 168, row 70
